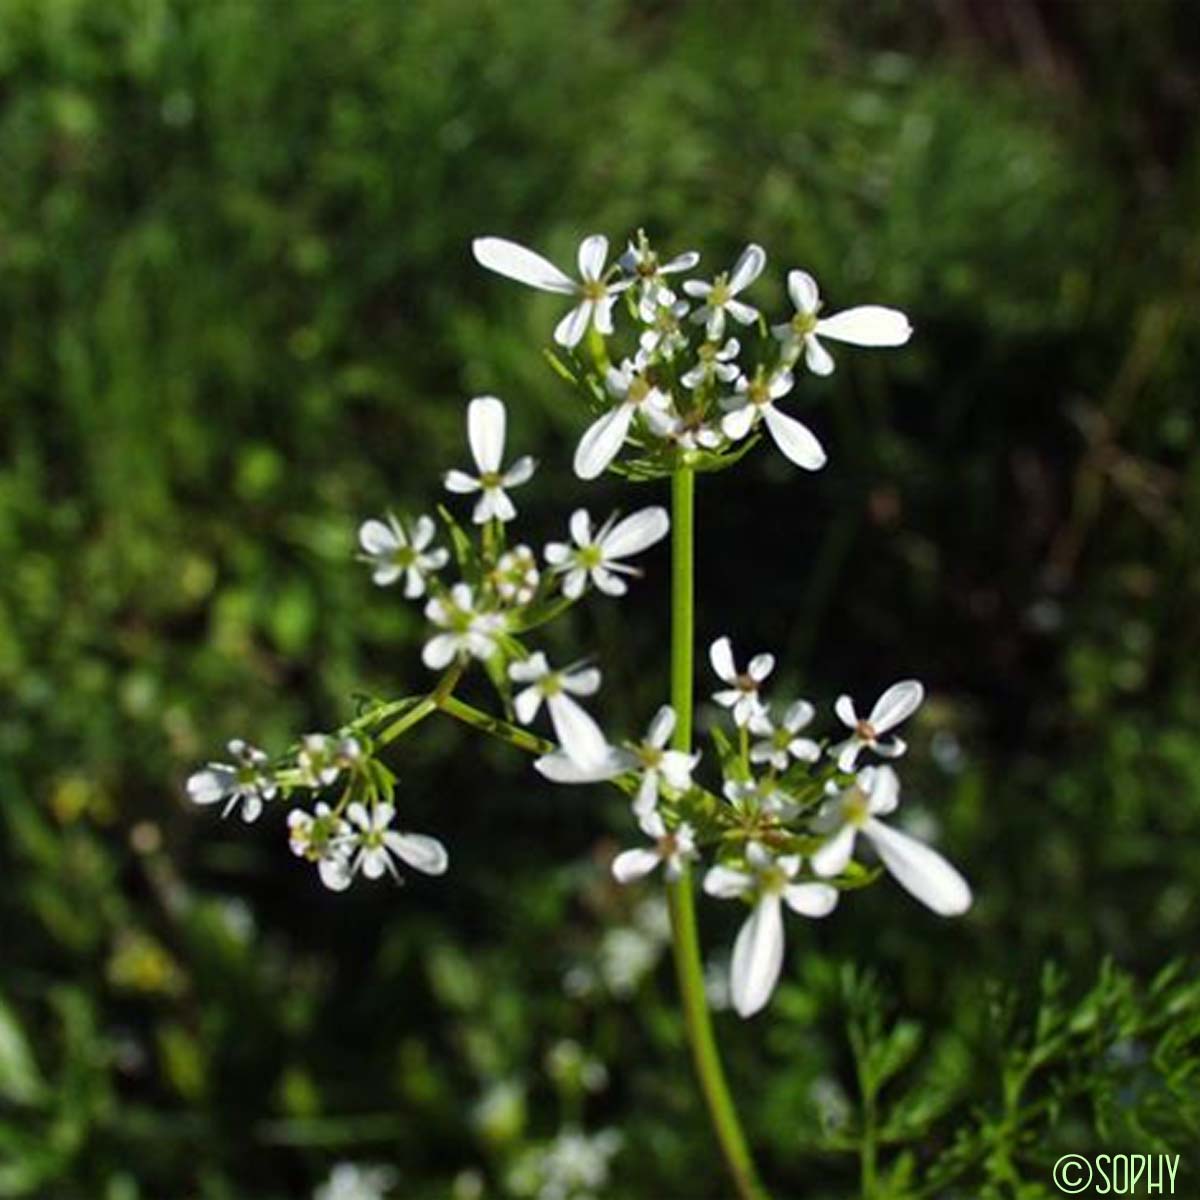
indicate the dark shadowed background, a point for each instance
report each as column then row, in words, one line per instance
column 238, row 314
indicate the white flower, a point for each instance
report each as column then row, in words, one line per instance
column 866, row 325
column 575, row 1166
column 596, row 298
column 517, row 576
column 897, row 704
column 394, row 551
column 465, row 630
column 350, row 1181
column 688, row 431
column 673, row 848
column 578, row 734
column 754, row 796
column 663, row 313
column 779, row 743
column 742, row 694
column 641, row 262
column 323, row 838
column 246, row 782
column 720, row 296
column 486, row 420
column 603, row 439
column 758, row 950
column 597, row 555
column 714, row 361
column 375, row 843
column 755, row 400
column 656, row 764
column 323, row 758
column 922, row 872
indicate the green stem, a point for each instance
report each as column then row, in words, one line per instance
column 514, row 735
column 680, row 898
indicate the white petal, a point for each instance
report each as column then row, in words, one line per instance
column 582, row 683
column 831, row 859
column 781, row 382
column 661, row 726
column 794, row 439
column 922, row 872
column 847, row 753
column 676, row 768
column 421, row 852
column 748, row 268
column 577, row 732
column 335, row 874
column 634, row 864
column 805, row 749
column 747, row 314
column 520, row 472
column 423, row 530
column 528, row 669
column 574, row 583
column 697, row 287
column 526, row 704
column 736, row 425
column 516, row 262
column 646, row 799
column 798, row 715
column 461, row 482
column 803, row 290
column 608, row 582
column 867, row 325
column 602, row 315
column 439, row 651
column 570, row 330
column 726, row 884
column 757, row 957
column 761, row 665
column 592, row 254
column 211, row 785
column 720, row 655
column 560, row 768
column 636, row 532
column 377, row 538
column 602, row 441
column 883, row 787
column 899, row 702
column 811, row 899
column 485, row 431
column 817, row 357
column 581, row 527
column 845, row 711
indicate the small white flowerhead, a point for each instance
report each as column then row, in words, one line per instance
column 517, row 576
column 921, row 871
column 778, row 744
column 581, row 738
column 325, row 839
column 246, row 782
column 376, row 845
column 394, row 551
column 641, row 262
column 897, row 704
column 866, row 325
column 674, row 848
column 720, row 296
column 741, row 694
column 768, row 882
column 323, row 758
column 465, row 630
column 635, row 393
column 595, row 291
column 754, row 401
column 598, row 556
column 486, row 424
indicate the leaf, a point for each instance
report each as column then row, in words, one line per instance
column 464, row 548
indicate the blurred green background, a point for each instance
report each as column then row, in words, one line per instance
column 238, row 314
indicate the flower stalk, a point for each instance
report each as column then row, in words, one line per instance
column 681, row 903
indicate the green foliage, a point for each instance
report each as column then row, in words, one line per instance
column 238, row 314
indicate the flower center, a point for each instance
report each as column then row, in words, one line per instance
column 856, row 807
column 649, row 756
column 594, row 290
column 720, row 294
column 639, row 389
column 773, row 879
column 551, row 685
column 804, row 323
column 758, row 393
column 590, row 556
column 667, row 845
column 865, row 731
column 746, row 683
column 491, row 479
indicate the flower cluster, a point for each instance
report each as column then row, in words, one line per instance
column 680, row 382
column 779, row 826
